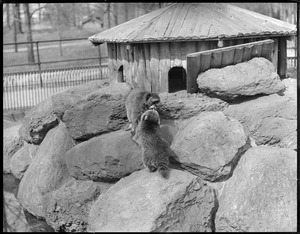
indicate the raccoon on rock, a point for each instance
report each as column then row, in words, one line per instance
column 155, row 150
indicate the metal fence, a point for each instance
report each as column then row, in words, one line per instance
column 56, row 65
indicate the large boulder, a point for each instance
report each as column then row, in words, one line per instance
column 13, row 215
column 146, row 202
column 261, row 195
column 11, row 144
column 210, row 144
column 66, row 99
column 37, row 122
column 67, row 208
column 100, row 112
column 291, row 88
column 184, row 105
column 108, row 157
column 256, row 76
column 22, row 159
column 47, row 170
column 269, row 120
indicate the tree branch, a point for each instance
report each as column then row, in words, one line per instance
column 31, row 14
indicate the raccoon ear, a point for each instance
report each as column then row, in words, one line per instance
column 144, row 117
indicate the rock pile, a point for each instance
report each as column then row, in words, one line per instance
column 80, row 171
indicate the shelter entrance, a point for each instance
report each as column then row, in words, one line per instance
column 176, row 79
column 121, row 74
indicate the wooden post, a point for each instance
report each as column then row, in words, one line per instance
column 216, row 59
column 238, row 56
column 282, row 57
column 247, row 53
column 192, row 73
column 228, row 57
column 267, row 50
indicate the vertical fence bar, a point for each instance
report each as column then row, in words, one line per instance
column 39, row 63
column 99, row 50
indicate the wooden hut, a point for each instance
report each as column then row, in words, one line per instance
column 151, row 51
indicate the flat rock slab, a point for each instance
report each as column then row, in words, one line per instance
column 67, row 208
column 47, row 171
column 210, row 144
column 269, row 120
column 184, row 105
column 261, row 195
column 22, row 159
column 108, row 157
column 146, row 202
column 256, row 76
column 12, row 142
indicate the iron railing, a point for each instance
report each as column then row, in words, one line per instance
column 56, row 65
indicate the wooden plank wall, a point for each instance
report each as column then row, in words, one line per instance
column 148, row 64
column 218, row 58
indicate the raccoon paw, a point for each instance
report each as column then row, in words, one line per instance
column 152, row 168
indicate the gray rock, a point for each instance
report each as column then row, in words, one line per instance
column 22, row 159
column 261, row 195
column 269, row 120
column 256, row 76
column 100, row 112
column 37, row 122
column 184, row 105
column 68, row 98
column 210, row 144
column 67, row 208
column 46, row 172
column 146, row 202
column 13, row 215
column 108, row 157
column 11, row 144
column 291, row 88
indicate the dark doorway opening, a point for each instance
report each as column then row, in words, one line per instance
column 120, row 74
column 176, row 79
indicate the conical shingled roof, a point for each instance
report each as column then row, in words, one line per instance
column 195, row 21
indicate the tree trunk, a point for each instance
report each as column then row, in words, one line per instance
column 7, row 16
column 108, row 14
column 40, row 13
column 116, row 13
column 58, row 27
column 126, row 11
column 30, row 52
column 74, row 14
column 18, row 18
column 15, row 28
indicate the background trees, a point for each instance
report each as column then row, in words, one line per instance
column 76, row 15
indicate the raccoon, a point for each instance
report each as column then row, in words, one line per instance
column 136, row 103
column 155, row 150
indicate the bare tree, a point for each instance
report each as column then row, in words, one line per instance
column 17, row 18
column 58, row 11
column 108, row 14
column 30, row 52
column 116, row 13
column 7, row 16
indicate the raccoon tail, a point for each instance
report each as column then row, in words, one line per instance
column 163, row 170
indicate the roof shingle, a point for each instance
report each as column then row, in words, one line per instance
column 194, row 21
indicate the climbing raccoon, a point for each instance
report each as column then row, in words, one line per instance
column 136, row 103
column 155, row 150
